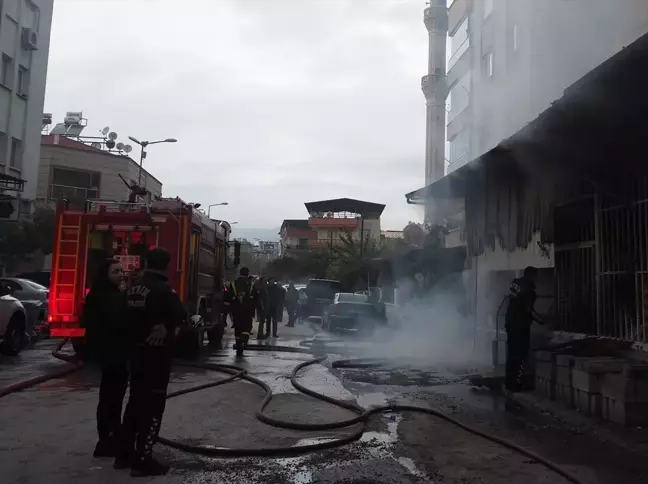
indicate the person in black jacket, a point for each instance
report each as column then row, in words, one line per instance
column 154, row 311
column 243, row 300
column 520, row 314
column 107, row 345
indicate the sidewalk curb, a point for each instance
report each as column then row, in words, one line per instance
column 581, row 423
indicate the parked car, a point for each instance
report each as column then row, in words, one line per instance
column 39, row 277
column 320, row 293
column 34, row 298
column 13, row 322
column 351, row 312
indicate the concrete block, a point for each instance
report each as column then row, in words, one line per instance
column 600, row 365
column 625, row 413
column 587, row 382
column 564, row 375
column 624, row 387
column 588, row 403
column 565, row 395
column 544, row 369
column 565, row 360
column 545, row 387
column 544, row 356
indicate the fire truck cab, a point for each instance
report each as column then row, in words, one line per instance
column 87, row 236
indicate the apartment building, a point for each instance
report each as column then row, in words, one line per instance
column 25, row 27
column 78, row 172
column 508, row 60
column 545, row 122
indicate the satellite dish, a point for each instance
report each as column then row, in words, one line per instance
column 120, row 146
column 105, row 130
column 128, row 148
column 110, row 144
column 112, row 136
column 96, row 146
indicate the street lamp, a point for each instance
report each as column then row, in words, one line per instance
column 215, row 205
column 143, row 145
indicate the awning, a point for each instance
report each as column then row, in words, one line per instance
column 595, row 131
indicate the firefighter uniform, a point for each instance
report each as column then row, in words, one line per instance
column 243, row 299
column 519, row 316
column 150, row 302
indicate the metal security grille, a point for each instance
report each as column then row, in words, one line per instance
column 602, row 264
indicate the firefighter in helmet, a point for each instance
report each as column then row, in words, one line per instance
column 243, row 300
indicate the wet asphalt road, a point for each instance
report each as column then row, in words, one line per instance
column 47, row 433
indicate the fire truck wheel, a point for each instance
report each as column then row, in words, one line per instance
column 14, row 337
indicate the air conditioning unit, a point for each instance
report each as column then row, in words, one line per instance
column 29, row 39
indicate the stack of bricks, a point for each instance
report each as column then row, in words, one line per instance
column 564, row 390
column 587, row 382
column 545, row 374
column 624, row 395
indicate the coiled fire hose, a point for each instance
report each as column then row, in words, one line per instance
column 235, row 373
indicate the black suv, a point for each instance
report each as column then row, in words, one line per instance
column 320, row 293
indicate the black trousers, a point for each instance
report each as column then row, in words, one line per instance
column 114, row 381
column 243, row 322
column 292, row 315
column 150, row 374
column 271, row 322
column 518, row 342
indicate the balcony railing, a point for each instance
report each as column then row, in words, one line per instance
column 333, row 222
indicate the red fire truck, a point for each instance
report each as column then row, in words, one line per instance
column 86, row 236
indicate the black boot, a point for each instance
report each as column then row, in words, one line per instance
column 105, row 448
column 147, row 467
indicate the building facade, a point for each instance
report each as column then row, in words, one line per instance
column 25, row 27
column 508, row 60
column 78, row 172
column 295, row 236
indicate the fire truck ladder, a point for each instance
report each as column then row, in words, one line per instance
column 66, row 275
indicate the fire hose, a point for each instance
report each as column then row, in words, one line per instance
column 362, row 417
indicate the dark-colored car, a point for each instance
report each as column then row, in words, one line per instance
column 320, row 293
column 351, row 312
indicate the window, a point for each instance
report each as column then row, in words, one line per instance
column 460, row 147
column 487, row 62
column 6, row 76
column 459, row 43
column 75, row 185
column 459, row 97
column 488, row 7
column 23, row 81
column 15, row 159
column 515, row 40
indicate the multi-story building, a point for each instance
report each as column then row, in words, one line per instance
column 78, row 172
column 543, row 98
column 332, row 220
column 509, row 60
column 295, row 236
column 24, row 44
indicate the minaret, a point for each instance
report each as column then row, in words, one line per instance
column 435, row 89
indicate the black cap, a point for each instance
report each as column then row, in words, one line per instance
column 244, row 271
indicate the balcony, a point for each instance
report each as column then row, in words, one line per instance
column 333, row 222
column 324, row 243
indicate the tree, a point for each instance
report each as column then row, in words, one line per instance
column 21, row 239
column 351, row 261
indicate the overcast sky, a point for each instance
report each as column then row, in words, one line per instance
column 274, row 102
